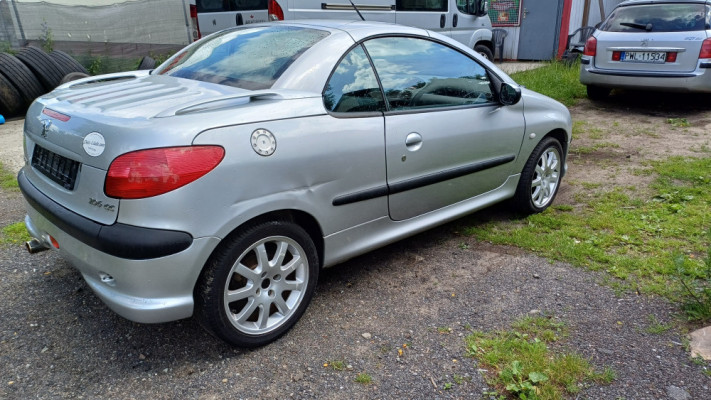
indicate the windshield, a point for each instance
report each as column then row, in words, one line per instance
column 659, row 18
column 249, row 58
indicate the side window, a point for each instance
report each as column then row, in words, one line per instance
column 353, row 87
column 418, row 73
column 421, row 5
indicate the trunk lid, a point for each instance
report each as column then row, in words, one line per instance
column 645, row 46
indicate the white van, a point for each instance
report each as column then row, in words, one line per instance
column 215, row 15
column 466, row 21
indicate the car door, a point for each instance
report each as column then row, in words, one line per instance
column 447, row 138
column 215, row 15
column 434, row 15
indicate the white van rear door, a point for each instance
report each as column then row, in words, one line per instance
column 215, row 15
column 372, row 10
column 434, row 15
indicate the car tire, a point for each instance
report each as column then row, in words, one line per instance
column 540, row 178
column 258, row 284
column 484, row 51
column 73, row 76
column 598, row 92
column 42, row 65
column 21, row 77
column 11, row 103
column 146, row 63
column 67, row 63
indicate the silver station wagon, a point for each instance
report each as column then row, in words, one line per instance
column 651, row 45
column 219, row 184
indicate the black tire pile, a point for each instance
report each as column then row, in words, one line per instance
column 31, row 73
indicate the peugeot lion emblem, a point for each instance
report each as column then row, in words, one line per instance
column 45, row 127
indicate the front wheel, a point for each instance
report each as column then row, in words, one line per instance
column 540, row 178
column 258, row 285
column 484, row 52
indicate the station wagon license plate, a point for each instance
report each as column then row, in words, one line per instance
column 658, row 57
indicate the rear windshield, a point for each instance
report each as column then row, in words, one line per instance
column 230, row 5
column 659, row 18
column 248, row 58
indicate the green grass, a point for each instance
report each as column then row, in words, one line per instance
column 634, row 240
column 364, row 378
column 555, row 80
column 520, row 362
column 8, row 180
column 14, row 234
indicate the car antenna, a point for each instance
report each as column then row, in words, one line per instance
column 356, row 8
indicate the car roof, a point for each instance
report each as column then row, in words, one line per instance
column 356, row 29
column 638, row 2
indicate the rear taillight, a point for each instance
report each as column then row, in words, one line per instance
column 194, row 19
column 275, row 11
column 590, row 47
column 705, row 49
column 671, row 57
column 147, row 173
column 616, row 55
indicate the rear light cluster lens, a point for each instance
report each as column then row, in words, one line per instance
column 705, row 49
column 148, row 173
column 590, row 47
column 275, row 11
column 194, row 18
column 671, row 57
column 616, row 55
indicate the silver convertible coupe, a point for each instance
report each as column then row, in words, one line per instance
column 219, row 184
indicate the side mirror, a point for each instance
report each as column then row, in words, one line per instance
column 509, row 94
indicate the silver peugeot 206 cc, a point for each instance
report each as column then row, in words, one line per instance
column 219, row 184
column 650, row 45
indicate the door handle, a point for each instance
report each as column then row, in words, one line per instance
column 238, row 20
column 413, row 141
column 442, row 20
column 455, row 20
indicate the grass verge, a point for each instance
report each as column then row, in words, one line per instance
column 634, row 240
column 8, row 180
column 14, row 234
column 555, row 80
column 521, row 364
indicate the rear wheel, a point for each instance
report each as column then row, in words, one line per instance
column 258, row 285
column 484, row 51
column 598, row 92
column 540, row 178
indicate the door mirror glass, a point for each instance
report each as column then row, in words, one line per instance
column 509, row 94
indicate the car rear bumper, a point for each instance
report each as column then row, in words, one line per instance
column 146, row 290
column 695, row 81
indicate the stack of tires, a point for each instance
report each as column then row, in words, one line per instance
column 31, row 73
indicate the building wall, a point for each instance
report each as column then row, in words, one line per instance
column 576, row 18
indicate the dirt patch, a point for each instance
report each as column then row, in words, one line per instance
column 613, row 141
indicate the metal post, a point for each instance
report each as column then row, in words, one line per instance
column 602, row 9
column 19, row 24
column 586, row 13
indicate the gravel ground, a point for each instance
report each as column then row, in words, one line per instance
column 57, row 340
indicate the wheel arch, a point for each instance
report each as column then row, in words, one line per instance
column 562, row 137
column 301, row 218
